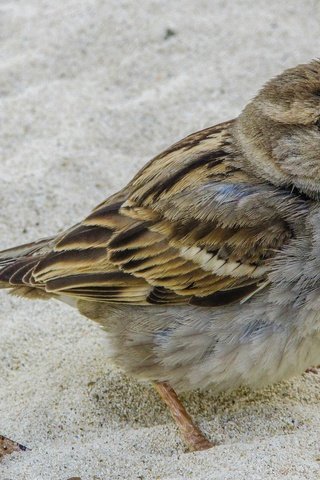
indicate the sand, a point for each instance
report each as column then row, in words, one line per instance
column 89, row 91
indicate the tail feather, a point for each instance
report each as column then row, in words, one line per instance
column 16, row 262
column 17, row 278
column 23, row 250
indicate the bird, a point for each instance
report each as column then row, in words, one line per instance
column 204, row 271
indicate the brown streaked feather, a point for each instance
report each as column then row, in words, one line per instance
column 83, row 237
column 177, row 158
column 108, row 216
column 64, row 262
column 223, row 297
column 111, row 279
column 191, row 227
column 108, row 287
column 136, row 236
column 122, row 257
column 18, row 276
column 182, row 178
column 11, row 254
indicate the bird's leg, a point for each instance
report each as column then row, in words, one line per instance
column 190, row 432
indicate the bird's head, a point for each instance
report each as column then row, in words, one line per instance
column 278, row 132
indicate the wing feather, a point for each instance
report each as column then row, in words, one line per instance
column 191, row 227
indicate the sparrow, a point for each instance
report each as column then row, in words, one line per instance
column 205, row 269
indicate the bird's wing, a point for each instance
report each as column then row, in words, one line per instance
column 191, row 227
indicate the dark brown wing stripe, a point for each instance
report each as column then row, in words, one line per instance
column 84, row 237
column 128, row 238
column 103, row 210
column 62, row 260
column 222, row 297
column 194, row 139
column 7, row 272
column 120, row 257
column 210, row 159
column 114, row 279
column 18, row 277
column 160, row 295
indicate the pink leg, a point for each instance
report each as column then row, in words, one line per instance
column 190, row 432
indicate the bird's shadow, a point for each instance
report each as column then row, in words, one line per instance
column 269, row 411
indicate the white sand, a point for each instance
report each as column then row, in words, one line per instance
column 89, row 91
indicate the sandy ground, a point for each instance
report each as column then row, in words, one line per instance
column 90, row 90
